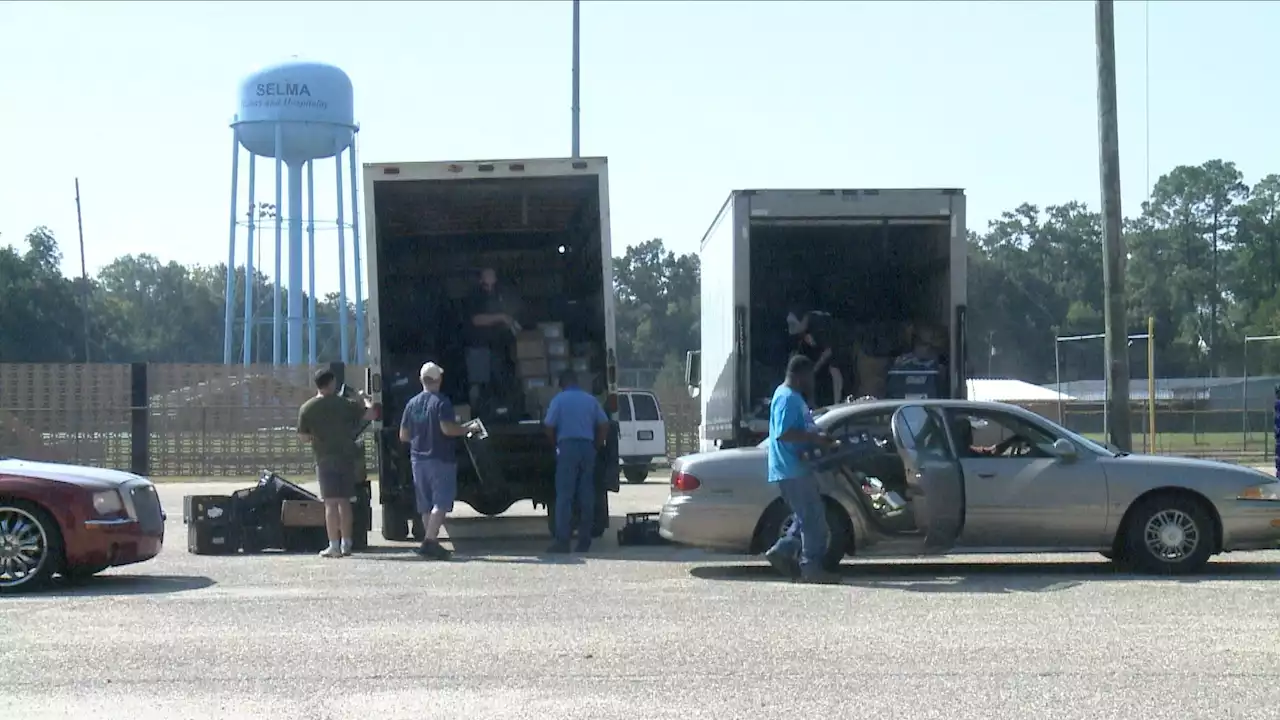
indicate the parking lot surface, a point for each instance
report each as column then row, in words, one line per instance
column 654, row 632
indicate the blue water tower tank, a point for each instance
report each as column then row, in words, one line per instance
column 307, row 105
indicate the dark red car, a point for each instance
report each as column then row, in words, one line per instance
column 72, row 520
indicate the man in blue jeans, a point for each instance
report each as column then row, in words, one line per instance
column 577, row 425
column 790, row 433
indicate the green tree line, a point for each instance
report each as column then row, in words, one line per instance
column 1203, row 260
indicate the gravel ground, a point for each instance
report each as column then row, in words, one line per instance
column 656, row 632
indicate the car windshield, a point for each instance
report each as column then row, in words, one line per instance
column 1092, row 445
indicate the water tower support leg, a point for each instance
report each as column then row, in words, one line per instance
column 311, row 262
column 342, row 269
column 295, row 288
column 355, row 254
column 229, row 300
column 246, row 345
column 277, row 309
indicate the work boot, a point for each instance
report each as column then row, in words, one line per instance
column 816, row 575
column 783, row 561
column 558, row 548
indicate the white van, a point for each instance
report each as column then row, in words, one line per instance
column 642, row 433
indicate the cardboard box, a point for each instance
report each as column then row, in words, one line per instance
column 462, row 413
column 531, row 384
column 552, row 330
column 530, row 345
column 302, row 513
column 581, row 364
column 557, row 366
column 873, row 375
column 537, row 400
column 557, row 349
column 533, row 367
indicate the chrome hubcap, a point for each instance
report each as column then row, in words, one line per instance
column 1172, row 535
column 23, row 546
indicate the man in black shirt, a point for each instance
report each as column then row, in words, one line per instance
column 491, row 334
column 820, row 338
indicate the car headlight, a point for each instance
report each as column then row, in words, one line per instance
column 108, row 502
column 1266, row 491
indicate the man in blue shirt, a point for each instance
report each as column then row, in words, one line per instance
column 429, row 426
column 791, row 432
column 577, row 425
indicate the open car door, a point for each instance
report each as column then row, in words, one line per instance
column 935, row 482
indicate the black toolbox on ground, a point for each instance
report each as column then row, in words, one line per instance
column 211, row 524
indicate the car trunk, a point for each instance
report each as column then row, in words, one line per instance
column 880, row 280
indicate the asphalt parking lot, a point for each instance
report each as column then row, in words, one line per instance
column 655, row 632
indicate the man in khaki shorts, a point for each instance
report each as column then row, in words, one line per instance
column 331, row 423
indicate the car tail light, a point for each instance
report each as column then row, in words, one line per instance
column 684, row 482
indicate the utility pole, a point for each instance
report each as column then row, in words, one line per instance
column 1113, row 259
column 84, row 274
column 575, row 110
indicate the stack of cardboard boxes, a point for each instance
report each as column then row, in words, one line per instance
column 541, row 356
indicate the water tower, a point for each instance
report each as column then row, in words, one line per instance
column 294, row 113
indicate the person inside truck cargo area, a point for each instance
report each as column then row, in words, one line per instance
column 577, row 425
column 924, row 357
column 821, row 340
column 490, row 339
column 430, row 426
column 790, row 433
column 331, row 424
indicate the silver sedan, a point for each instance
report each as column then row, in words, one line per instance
column 933, row 477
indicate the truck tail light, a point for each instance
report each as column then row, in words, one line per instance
column 684, row 482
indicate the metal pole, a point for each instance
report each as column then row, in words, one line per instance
column 229, row 301
column 342, row 268
column 84, row 273
column 1057, row 374
column 311, row 263
column 277, row 309
column 1113, row 260
column 1244, row 398
column 576, row 110
column 250, row 275
column 1151, row 381
column 355, row 252
column 296, row 322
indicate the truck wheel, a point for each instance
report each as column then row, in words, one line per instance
column 395, row 526
column 490, row 505
column 635, row 474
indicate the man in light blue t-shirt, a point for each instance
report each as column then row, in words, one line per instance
column 791, row 431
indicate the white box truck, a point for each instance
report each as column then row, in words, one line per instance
column 880, row 261
column 543, row 226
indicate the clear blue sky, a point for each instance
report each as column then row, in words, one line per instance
column 688, row 100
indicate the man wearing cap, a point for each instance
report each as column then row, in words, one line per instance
column 331, row 424
column 577, row 425
column 429, row 426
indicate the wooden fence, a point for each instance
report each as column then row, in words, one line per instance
column 187, row 420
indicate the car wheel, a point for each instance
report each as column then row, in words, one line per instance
column 635, row 474
column 1168, row 534
column 395, row 526
column 779, row 521
column 30, row 546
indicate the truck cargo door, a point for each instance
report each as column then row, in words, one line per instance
column 960, row 375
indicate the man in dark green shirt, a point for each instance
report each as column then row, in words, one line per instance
column 330, row 423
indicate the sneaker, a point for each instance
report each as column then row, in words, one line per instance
column 346, row 550
column 558, row 548
column 784, row 563
column 819, row 576
column 331, row 552
column 432, row 550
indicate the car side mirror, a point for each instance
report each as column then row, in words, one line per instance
column 693, row 372
column 1064, row 449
